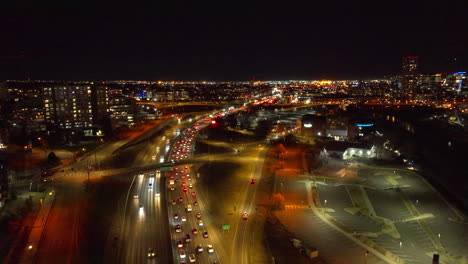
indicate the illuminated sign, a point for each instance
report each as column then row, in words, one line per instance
column 365, row 125
column 308, row 125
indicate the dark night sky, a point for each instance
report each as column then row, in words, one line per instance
column 232, row 41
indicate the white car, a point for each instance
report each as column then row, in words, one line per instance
column 182, row 253
column 209, row 248
column 200, row 223
column 184, row 218
column 200, row 248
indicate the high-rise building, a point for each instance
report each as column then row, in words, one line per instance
column 74, row 107
column 408, row 74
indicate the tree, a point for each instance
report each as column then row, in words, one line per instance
column 278, row 201
column 52, row 159
column 263, row 129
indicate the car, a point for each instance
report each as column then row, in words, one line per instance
column 245, row 216
column 252, row 181
column 172, row 188
column 192, row 258
column 174, row 202
column 178, row 229
column 209, row 248
column 176, row 216
column 181, row 199
column 184, row 189
column 141, row 206
column 194, row 193
column 184, row 218
column 195, row 231
column 195, row 203
column 189, row 178
column 151, row 253
column 205, row 234
column 150, row 185
column 188, row 239
column 180, row 244
column 182, row 176
column 182, row 253
column 200, row 248
column 190, row 186
column 151, row 174
column 135, row 196
column 184, row 183
column 199, row 215
column 200, row 223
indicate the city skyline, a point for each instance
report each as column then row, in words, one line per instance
column 232, row 133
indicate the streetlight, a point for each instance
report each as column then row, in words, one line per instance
column 365, row 256
column 325, row 202
column 401, row 244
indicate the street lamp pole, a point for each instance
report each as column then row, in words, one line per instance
column 87, row 169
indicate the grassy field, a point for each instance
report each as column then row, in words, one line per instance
column 224, row 183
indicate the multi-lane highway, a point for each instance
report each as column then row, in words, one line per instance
column 145, row 230
column 190, row 231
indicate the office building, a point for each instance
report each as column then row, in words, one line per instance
column 408, row 75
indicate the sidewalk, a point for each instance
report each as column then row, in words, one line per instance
column 37, row 229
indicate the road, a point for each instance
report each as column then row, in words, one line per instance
column 188, row 205
column 145, row 223
column 77, row 225
column 244, row 228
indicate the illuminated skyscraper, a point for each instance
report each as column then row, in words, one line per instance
column 409, row 82
column 74, row 107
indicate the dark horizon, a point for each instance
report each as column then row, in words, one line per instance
column 227, row 43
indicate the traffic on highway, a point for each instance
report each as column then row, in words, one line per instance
column 189, row 232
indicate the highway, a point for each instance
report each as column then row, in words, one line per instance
column 185, row 209
column 145, row 229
